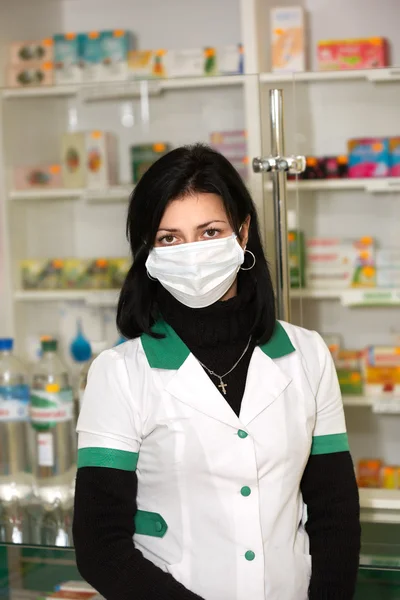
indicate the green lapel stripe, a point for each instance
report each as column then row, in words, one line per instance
column 165, row 353
column 329, row 444
column 107, row 457
column 171, row 352
column 279, row 345
column 149, row 523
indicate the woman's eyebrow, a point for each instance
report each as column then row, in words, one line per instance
column 202, row 226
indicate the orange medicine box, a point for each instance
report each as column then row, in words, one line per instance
column 369, row 473
column 382, row 380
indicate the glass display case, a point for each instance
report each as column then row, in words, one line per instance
column 65, row 187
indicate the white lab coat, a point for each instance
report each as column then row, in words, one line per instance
column 219, row 496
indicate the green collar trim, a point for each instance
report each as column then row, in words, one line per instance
column 279, row 344
column 171, row 352
column 165, row 353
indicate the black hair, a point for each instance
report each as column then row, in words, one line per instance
column 185, row 170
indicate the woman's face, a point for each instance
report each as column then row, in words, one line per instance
column 195, row 218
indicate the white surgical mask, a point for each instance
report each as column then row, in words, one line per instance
column 199, row 273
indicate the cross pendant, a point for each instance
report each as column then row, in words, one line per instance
column 223, row 387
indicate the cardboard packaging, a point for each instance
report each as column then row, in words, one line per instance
column 89, row 159
column 37, row 177
column 119, row 268
column 68, row 58
column 87, row 274
column 34, row 75
column 41, row 274
column 144, row 155
column 338, row 55
column 90, row 57
column 101, row 159
column 233, row 145
column 369, row 473
column 288, row 45
column 369, row 157
column 196, row 62
column 394, row 159
column 114, row 48
column 146, row 64
column 25, row 53
column 230, row 60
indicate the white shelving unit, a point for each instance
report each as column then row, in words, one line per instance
column 357, row 297
column 322, row 110
column 380, row 505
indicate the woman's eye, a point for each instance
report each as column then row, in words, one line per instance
column 210, row 233
column 168, row 239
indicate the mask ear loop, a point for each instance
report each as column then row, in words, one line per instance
column 150, row 277
column 254, row 262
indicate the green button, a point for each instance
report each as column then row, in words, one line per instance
column 245, row 491
column 242, row 434
column 249, row 555
column 158, row 526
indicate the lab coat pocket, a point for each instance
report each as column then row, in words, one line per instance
column 287, row 575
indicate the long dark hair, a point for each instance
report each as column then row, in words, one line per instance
column 189, row 169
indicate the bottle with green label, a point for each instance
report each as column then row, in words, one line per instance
column 53, row 423
column 16, row 478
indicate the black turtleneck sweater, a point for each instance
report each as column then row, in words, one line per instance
column 105, row 499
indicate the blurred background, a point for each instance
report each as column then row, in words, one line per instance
column 92, row 92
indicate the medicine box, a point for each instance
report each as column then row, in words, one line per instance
column 195, row 62
column 86, row 273
column 38, row 176
column 144, row 155
column 89, row 159
column 382, row 380
column 114, row 48
column 73, row 160
column 41, row 274
column 367, row 53
column 394, row 159
column 101, row 159
column 146, row 64
column 119, row 268
column 230, row 60
column 369, row 157
column 388, row 257
column 91, row 56
column 288, row 48
column 32, row 75
column 68, row 58
column 24, row 53
column 388, row 277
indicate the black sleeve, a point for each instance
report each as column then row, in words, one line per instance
column 105, row 506
column 330, row 492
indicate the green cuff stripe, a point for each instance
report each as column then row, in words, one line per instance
column 329, row 444
column 107, row 457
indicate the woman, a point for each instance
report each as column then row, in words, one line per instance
column 215, row 437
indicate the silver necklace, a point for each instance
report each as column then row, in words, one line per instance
column 223, row 385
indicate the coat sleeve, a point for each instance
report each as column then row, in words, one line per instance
column 330, row 492
column 106, row 489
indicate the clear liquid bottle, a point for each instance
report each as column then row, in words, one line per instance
column 53, row 423
column 16, row 478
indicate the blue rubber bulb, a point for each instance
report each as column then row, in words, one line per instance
column 80, row 348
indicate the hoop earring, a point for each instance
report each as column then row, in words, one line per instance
column 254, row 262
column 150, row 277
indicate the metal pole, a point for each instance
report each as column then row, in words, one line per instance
column 280, row 207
